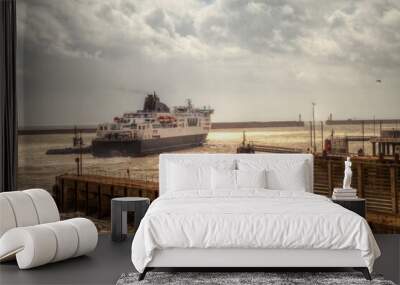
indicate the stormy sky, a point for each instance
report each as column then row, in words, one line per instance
column 85, row 61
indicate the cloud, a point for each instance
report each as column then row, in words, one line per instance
column 318, row 46
column 287, row 10
column 364, row 32
column 209, row 50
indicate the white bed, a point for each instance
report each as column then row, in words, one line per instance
column 248, row 227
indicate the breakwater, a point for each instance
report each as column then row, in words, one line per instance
column 55, row 130
column 48, row 130
column 245, row 125
column 359, row 122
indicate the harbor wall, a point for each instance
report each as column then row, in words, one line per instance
column 375, row 180
column 216, row 125
column 359, row 122
column 49, row 131
column 378, row 181
column 245, row 125
column 91, row 194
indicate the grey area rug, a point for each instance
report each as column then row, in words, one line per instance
column 227, row 278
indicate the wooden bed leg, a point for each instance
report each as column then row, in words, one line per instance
column 364, row 271
column 142, row 275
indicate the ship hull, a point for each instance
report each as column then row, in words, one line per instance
column 107, row 148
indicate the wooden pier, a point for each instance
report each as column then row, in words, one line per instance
column 275, row 149
column 387, row 144
column 91, row 194
column 378, row 181
column 340, row 145
column 250, row 147
column 253, row 148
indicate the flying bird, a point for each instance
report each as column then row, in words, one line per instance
column 378, row 81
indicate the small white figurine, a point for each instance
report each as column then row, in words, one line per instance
column 347, row 174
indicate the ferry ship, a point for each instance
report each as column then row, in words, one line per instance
column 152, row 130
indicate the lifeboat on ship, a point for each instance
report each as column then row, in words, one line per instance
column 162, row 119
column 166, row 119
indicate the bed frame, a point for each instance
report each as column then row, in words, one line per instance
column 244, row 259
column 249, row 259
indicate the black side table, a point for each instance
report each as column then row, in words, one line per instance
column 119, row 208
column 355, row 205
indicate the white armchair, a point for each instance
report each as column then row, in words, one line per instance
column 31, row 230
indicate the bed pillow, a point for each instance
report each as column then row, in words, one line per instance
column 223, row 179
column 283, row 174
column 183, row 178
column 292, row 176
column 187, row 175
column 251, row 178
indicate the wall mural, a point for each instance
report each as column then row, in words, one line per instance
column 105, row 86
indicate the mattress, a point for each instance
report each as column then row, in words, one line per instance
column 250, row 219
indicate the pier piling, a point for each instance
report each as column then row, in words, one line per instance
column 93, row 192
column 378, row 181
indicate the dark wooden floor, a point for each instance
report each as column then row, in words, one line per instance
column 110, row 260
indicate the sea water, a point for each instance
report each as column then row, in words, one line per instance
column 36, row 169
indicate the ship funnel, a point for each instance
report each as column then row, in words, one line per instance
column 189, row 104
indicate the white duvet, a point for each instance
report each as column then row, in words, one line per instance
column 250, row 219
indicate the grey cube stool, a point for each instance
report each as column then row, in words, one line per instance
column 119, row 208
